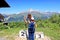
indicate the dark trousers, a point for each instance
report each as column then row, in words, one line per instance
column 31, row 33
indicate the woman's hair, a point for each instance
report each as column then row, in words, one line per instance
column 29, row 16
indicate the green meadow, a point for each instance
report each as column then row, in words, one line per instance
column 50, row 27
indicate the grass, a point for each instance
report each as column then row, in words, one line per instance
column 52, row 31
column 10, row 33
column 53, row 34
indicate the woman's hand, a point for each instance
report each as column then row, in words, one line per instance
column 36, row 25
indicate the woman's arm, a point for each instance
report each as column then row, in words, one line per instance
column 35, row 25
column 25, row 20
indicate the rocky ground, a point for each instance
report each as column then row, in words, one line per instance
column 17, row 37
column 36, row 38
column 45, row 38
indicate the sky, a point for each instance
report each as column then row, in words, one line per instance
column 17, row 6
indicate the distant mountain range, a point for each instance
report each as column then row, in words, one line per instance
column 36, row 14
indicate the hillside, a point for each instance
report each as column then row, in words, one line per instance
column 37, row 15
column 50, row 27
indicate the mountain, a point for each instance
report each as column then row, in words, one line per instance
column 36, row 14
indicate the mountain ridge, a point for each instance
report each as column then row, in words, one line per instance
column 36, row 14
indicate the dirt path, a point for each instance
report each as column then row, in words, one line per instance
column 45, row 38
column 16, row 37
column 2, row 38
column 22, row 38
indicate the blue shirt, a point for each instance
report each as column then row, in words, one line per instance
column 31, row 25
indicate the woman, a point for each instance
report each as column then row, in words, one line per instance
column 31, row 26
